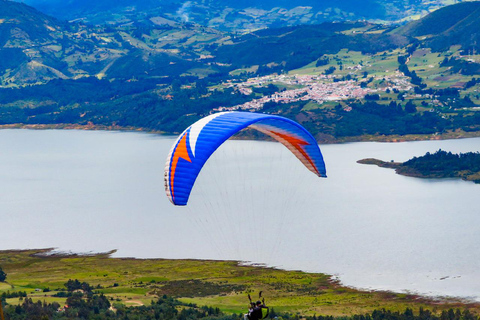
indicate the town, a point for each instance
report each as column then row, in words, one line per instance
column 317, row 88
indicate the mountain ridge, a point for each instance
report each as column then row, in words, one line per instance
column 37, row 47
column 232, row 15
column 457, row 24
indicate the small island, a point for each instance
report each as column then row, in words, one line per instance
column 441, row 164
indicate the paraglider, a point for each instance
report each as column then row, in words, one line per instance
column 199, row 141
column 258, row 310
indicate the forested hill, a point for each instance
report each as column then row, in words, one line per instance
column 297, row 46
column 35, row 25
column 342, row 80
column 457, row 24
column 445, row 164
column 36, row 48
column 21, row 27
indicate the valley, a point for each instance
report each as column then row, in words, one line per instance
column 345, row 81
column 345, row 71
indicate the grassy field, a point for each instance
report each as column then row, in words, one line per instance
column 355, row 63
column 423, row 61
column 223, row 284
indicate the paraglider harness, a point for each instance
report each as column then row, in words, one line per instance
column 256, row 309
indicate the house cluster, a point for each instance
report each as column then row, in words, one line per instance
column 318, row 88
column 398, row 81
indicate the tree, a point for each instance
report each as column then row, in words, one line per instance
column 330, row 70
column 3, row 275
column 372, row 97
column 410, row 107
column 73, row 285
column 322, row 62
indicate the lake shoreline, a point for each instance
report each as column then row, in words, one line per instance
column 458, row 134
column 63, row 175
column 57, row 259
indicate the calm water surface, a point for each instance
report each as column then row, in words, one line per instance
column 96, row 191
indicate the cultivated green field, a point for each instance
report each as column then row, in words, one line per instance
column 223, row 284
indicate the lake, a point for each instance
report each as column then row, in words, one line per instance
column 94, row 191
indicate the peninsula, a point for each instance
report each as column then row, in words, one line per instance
column 441, row 164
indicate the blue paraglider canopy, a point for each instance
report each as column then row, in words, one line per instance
column 199, row 141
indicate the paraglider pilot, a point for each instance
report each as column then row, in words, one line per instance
column 257, row 313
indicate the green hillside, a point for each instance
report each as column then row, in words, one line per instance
column 23, row 27
column 344, row 81
column 20, row 22
column 457, row 24
column 440, row 20
column 294, row 47
column 35, row 48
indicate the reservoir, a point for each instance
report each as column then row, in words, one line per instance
column 95, row 191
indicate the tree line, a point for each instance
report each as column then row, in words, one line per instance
column 85, row 303
column 98, row 307
column 447, row 164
